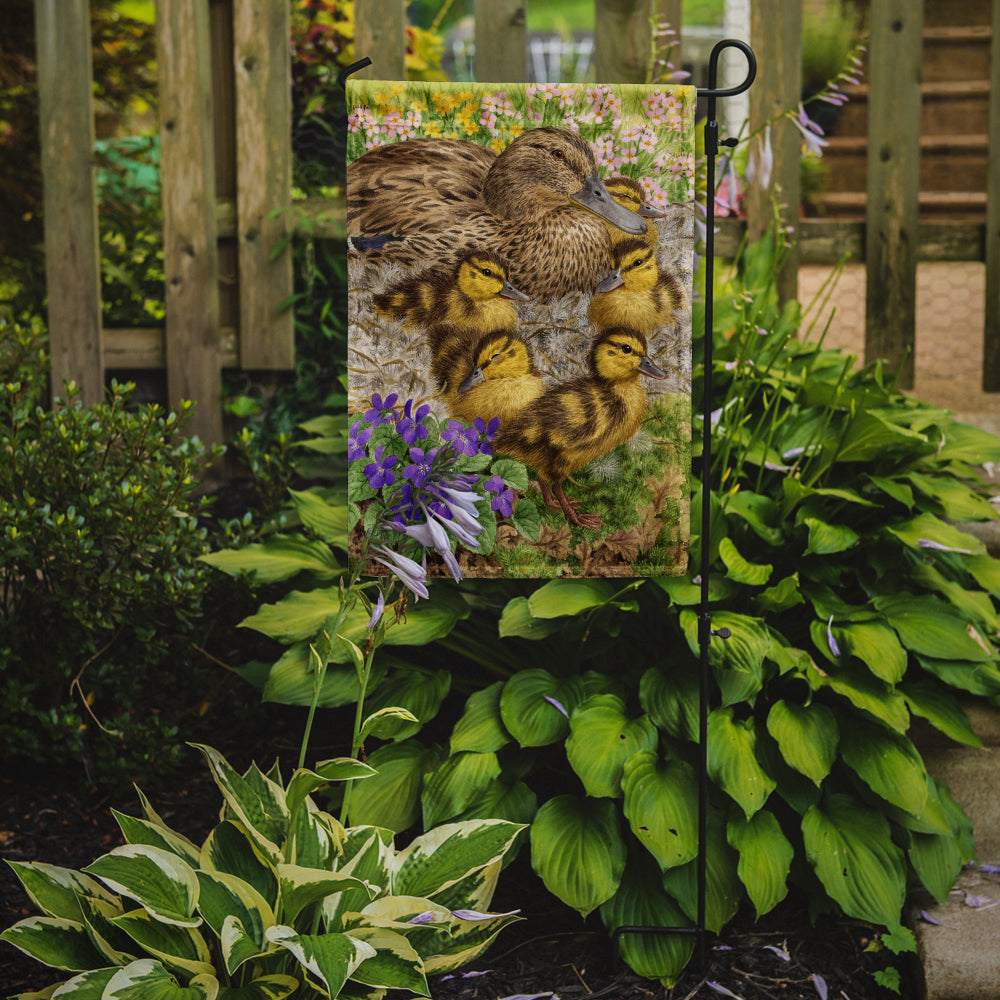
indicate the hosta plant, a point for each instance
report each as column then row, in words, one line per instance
column 279, row 900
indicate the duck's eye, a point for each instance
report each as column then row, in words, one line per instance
column 558, row 154
column 493, row 357
column 626, row 349
column 487, row 272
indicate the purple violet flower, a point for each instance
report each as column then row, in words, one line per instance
column 503, row 502
column 357, row 441
column 381, row 411
column 379, row 472
column 421, row 465
column 412, row 427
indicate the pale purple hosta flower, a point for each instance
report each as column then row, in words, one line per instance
column 760, row 165
column 531, row 996
column 780, row 952
column 811, row 132
column 820, row 983
column 410, row 573
column 462, row 504
column 427, row 917
column 476, row 915
column 557, row 704
column 834, row 648
column 927, row 543
column 431, row 535
column 377, row 611
column 989, row 869
column 719, row 988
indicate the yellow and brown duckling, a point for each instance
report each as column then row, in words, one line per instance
column 483, row 376
column 574, row 423
column 475, row 292
column 637, row 293
column 539, row 203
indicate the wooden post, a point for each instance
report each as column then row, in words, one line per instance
column 72, row 255
column 667, row 13
column 622, row 40
column 991, row 333
column 261, row 56
column 380, row 34
column 190, row 254
column 776, row 34
column 501, row 41
column 893, row 183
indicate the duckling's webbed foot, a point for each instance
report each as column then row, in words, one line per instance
column 568, row 507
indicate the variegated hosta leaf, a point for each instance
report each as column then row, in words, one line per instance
column 441, row 857
column 225, row 897
column 56, row 891
column 395, row 965
column 642, row 902
column 661, row 799
column 116, row 946
column 481, row 727
column 54, row 941
column 177, row 947
column 850, row 847
column 158, row 880
column 329, row 959
column 888, row 763
column 466, row 941
column 86, row 986
column 367, row 853
column 147, row 979
column 391, row 799
column 230, row 849
column 732, row 760
column 602, row 737
column 300, row 887
column 256, row 801
column 141, row 831
column 315, row 838
column 304, row 782
column 578, row 851
column 807, row 736
column 456, row 784
column 476, row 890
column 765, row 858
column 535, row 706
column 274, row 987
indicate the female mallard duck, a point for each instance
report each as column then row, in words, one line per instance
column 637, row 293
column 539, row 203
column 572, row 424
column 475, row 292
column 483, row 376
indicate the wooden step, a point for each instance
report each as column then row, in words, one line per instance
column 957, row 206
column 956, row 53
column 940, row 13
column 944, row 104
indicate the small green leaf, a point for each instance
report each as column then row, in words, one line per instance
column 732, row 760
column 765, row 858
column 559, row 598
column 481, row 727
column 807, row 736
column 526, row 520
column 517, row 620
column 738, row 569
column 330, row 958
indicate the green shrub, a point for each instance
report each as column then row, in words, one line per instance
column 99, row 546
column 280, row 899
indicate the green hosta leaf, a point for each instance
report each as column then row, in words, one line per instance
column 304, row 782
column 765, row 858
column 418, row 690
column 850, row 847
column 827, row 539
column 559, row 598
column 684, row 592
column 515, row 803
column 147, row 979
column 732, row 760
column 738, row 661
column 225, row 897
column 330, row 959
column 230, row 849
column 395, row 964
column 975, row 605
column 723, row 889
column 870, row 436
column 141, row 831
column 54, row 941
column 865, row 692
column 327, row 520
column 274, row 987
column 467, row 940
column 261, row 809
column 292, row 680
column 783, row 595
column 928, row 528
column 986, row 572
column 367, row 852
column 456, row 784
column 578, row 851
column 517, row 620
column 807, row 736
column 965, row 443
column 529, row 716
column 671, row 699
column 163, row 884
column 941, row 709
column 661, row 798
column 957, row 501
column 438, row 859
column 738, row 569
column 641, row 901
column 279, row 558
column 758, row 511
column 98, row 915
column 391, row 798
column 388, row 722
column 300, row 887
column 893, row 488
column 932, row 628
column 876, row 646
column 602, row 738
column 976, row 678
column 937, row 859
column 56, row 891
column 481, row 728
column 180, row 948
column 888, row 763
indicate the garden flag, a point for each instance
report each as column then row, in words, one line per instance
column 519, row 343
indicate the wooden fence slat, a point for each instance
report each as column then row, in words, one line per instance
column 501, row 41
column 190, row 253
column 72, row 255
column 892, row 214
column 776, row 36
column 380, row 34
column 261, row 56
column 622, row 40
column 991, row 331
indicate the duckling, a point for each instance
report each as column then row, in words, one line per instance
column 629, row 193
column 475, row 292
column 539, row 203
column 637, row 293
column 483, row 376
column 574, row 423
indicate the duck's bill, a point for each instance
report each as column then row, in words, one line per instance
column 510, row 292
column 649, row 211
column 648, row 368
column 594, row 196
column 473, row 378
column 612, row 281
